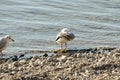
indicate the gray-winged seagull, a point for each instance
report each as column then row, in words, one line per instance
column 4, row 42
column 64, row 36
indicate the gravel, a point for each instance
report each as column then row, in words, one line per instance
column 77, row 66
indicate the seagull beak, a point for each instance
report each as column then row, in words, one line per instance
column 13, row 40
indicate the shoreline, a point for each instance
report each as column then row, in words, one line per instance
column 85, row 64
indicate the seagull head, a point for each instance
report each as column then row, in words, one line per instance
column 65, row 30
column 8, row 37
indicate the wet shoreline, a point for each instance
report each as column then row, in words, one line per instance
column 31, row 53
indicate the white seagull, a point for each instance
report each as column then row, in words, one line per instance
column 4, row 42
column 64, row 36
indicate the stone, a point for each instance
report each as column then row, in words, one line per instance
column 37, row 62
column 70, row 58
column 5, row 66
column 22, row 61
column 22, row 55
column 62, row 58
column 116, row 55
column 31, row 63
column 49, row 59
column 35, row 57
column 9, row 61
column 78, row 55
column 43, row 63
column 52, row 59
column 45, row 55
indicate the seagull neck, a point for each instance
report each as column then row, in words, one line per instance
column 7, row 40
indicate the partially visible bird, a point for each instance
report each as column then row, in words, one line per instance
column 64, row 36
column 4, row 42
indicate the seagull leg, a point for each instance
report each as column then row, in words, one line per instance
column 61, row 46
column 65, row 46
column 1, row 54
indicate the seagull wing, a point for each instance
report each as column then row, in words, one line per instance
column 2, row 43
column 69, row 36
column 60, row 35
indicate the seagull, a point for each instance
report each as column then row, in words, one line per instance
column 4, row 42
column 64, row 36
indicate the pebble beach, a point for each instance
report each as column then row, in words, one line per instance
column 34, row 25
column 87, row 64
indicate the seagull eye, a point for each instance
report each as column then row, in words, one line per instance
column 8, row 37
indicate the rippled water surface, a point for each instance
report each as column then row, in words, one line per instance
column 34, row 23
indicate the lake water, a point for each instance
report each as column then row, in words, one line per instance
column 34, row 23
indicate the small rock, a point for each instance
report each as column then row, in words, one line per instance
column 37, row 62
column 9, row 61
column 36, row 57
column 12, row 65
column 100, row 60
column 43, row 63
column 62, row 58
column 22, row 61
column 70, row 58
column 116, row 55
column 45, row 55
column 20, row 68
column 32, row 60
column 13, row 72
column 44, row 74
column 31, row 63
column 5, row 66
column 78, row 55
column 118, row 78
column 14, row 58
column 49, row 59
column 74, row 55
column 16, row 63
column 68, row 54
column 2, row 61
column 22, row 55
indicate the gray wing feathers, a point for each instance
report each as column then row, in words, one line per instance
column 69, row 36
column 2, row 43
